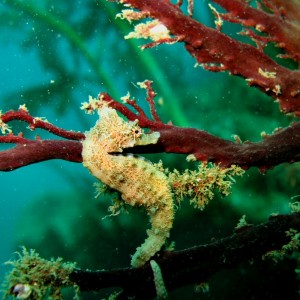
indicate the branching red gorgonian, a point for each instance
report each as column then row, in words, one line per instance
column 28, row 151
column 275, row 21
column 282, row 146
column 216, row 51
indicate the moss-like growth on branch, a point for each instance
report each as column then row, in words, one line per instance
column 200, row 185
column 33, row 277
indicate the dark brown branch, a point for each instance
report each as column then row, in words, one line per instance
column 194, row 265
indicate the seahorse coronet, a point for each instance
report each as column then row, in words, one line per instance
column 139, row 181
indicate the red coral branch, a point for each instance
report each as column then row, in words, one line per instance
column 144, row 121
column 27, row 152
column 34, row 122
column 210, row 46
column 32, row 151
column 283, row 31
column 290, row 9
column 282, row 146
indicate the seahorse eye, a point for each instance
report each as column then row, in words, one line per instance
column 137, row 132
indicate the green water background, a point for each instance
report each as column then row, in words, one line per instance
column 53, row 56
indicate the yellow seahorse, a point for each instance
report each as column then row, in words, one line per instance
column 139, row 181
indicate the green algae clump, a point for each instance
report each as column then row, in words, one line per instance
column 33, row 277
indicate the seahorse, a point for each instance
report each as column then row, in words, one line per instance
column 139, row 181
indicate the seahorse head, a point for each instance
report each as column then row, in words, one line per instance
column 114, row 134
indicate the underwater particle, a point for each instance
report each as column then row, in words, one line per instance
column 140, row 183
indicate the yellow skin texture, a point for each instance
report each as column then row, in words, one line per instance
column 140, row 183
